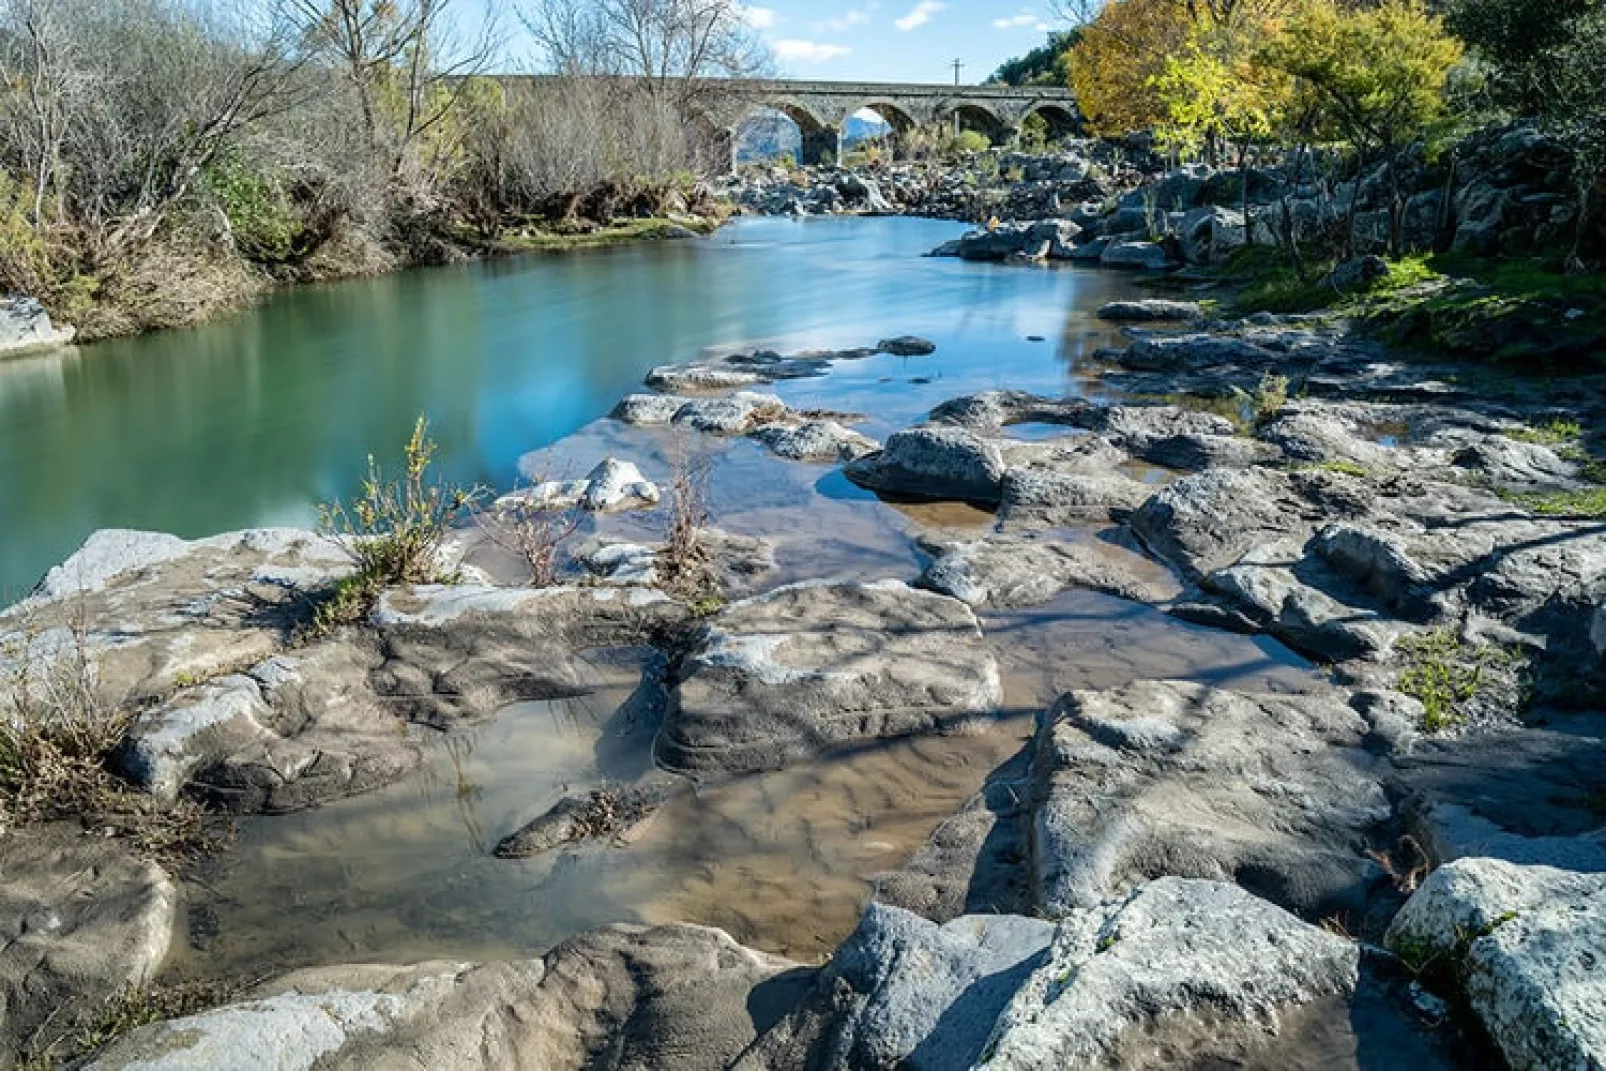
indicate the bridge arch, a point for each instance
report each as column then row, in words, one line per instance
column 901, row 119
column 1063, row 122
column 981, row 117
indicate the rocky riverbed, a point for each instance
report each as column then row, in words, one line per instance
column 1176, row 718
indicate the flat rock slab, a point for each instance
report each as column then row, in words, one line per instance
column 1024, row 570
column 1529, row 946
column 153, row 611
column 623, row 997
column 938, row 462
column 1173, row 778
column 784, row 676
column 81, row 919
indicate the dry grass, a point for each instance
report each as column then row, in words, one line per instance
column 685, row 564
column 535, row 533
column 58, row 733
column 1406, row 866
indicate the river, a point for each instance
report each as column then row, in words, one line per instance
column 252, row 419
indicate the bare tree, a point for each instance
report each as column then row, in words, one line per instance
column 673, row 47
column 405, row 60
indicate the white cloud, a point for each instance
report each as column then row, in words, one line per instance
column 920, row 15
column 1016, row 22
column 793, row 49
column 759, row 18
column 844, row 22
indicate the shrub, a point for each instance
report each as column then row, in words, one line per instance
column 685, row 563
column 969, row 141
column 535, row 533
column 394, row 531
column 259, row 212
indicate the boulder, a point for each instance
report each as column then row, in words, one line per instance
column 613, row 485
column 1052, row 495
column 1143, row 256
column 648, row 409
column 82, row 919
column 1357, row 273
column 1192, row 969
column 902, row 992
column 907, row 346
column 1208, row 521
column 622, row 997
column 1209, row 235
column 934, row 462
column 1151, row 310
column 1165, row 777
column 783, row 676
column 25, row 327
column 993, row 410
column 737, row 414
column 1528, row 944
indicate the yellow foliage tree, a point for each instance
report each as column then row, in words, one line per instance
column 1118, row 58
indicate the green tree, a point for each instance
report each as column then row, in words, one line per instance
column 1379, row 71
column 1046, row 65
column 1546, row 59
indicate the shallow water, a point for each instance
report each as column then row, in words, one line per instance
column 252, row 419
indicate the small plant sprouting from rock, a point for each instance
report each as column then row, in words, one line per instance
column 1263, row 404
column 1406, row 866
column 1551, row 433
column 1444, row 675
column 394, row 531
column 534, row 532
column 685, row 564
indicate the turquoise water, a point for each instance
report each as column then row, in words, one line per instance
column 253, row 419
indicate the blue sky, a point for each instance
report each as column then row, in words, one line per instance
column 898, row 40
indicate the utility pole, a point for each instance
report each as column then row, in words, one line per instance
column 959, row 65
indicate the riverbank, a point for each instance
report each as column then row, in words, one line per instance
column 1315, row 624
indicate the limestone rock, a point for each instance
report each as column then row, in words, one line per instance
column 907, row 346
column 1531, row 942
column 903, row 992
column 785, row 675
column 623, row 997
column 1165, row 777
column 1151, row 310
column 1044, row 495
column 1145, row 256
column 934, row 462
column 1205, row 966
column 25, row 327
column 612, row 485
column 81, row 919
column 1012, row 571
column 736, row 414
column 815, row 440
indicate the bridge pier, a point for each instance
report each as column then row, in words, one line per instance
column 819, row 143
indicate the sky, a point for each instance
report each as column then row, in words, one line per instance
column 898, row 40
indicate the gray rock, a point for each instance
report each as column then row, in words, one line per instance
column 781, row 677
column 623, row 997
column 903, row 992
column 1012, row 571
column 648, row 409
column 613, row 485
column 1194, row 453
column 934, row 462
column 995, row 409
column 1529, row 944
column 1176, row 778
column 1357, row 273
column 815, row 440
column 25, row 327
column 1048, row 495
column 1208, row 521
column 81, row 920
column 737, row 414
column 1182, row 967
column 907, row 346
column 1151, row 310
column 1209, row 235
column 1145, row 256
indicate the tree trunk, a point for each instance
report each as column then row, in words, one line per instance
column 1243, row 175
column 1290, row 234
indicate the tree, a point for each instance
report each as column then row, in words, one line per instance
column 1546, row 59
column 1118, row 58
column 401, row 59
column 1046, row 65
column 1380, row 73
column 1217, row 90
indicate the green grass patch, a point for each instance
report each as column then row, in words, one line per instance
column 1444, row 674
column 1550, row 433
column 1590, row 503
column 1340, row 466
column 551, row 238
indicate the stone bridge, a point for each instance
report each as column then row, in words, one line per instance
column 821, row 108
